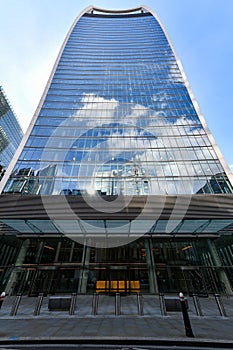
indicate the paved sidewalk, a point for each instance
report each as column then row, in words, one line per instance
column 83, row 326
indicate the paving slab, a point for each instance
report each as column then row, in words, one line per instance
column 59, row 325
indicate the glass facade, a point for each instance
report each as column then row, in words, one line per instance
column 11, row 133
column 56, row 265
column 117, row 118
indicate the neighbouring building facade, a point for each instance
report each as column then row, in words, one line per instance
column 118, row 184
column 11, row 133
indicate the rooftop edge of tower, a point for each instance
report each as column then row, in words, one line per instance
column 95, row 10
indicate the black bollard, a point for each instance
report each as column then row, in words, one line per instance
column 187, row 324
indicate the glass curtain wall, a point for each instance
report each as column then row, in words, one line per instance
column 118, row 118
column 11, row 133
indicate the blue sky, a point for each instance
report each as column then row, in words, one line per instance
column 32, row 31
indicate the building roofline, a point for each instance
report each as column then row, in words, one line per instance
column 98, row 9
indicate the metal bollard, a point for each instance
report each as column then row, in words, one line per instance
column 38, row 304
column 72, row 303
column 95, row 304
column 187, row 324
column 117, row 304
column 15, row 305
column 220, row 305
column 2, row 297
column 197, row 305
column 162, row 305
column 140, row 304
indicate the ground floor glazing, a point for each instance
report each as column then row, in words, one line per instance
column 57, row 265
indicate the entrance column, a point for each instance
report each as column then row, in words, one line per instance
column 217, row 262
column 39, row 252
column 71, row 251
column 153, row 284
column 19, row 261
column 83, row 276
column 57, row 251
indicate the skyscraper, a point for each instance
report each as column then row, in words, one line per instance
column 11, row 133
column 113, row 169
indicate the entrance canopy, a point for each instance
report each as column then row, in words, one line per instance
column 98, row 215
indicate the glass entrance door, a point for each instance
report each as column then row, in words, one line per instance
column 119, row 280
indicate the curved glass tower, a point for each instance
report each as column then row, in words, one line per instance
column 118, row 117
column 118, row 120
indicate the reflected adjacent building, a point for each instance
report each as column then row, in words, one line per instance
column 116, row 171
column 11, row 133
column 216, row 184
column 127, row 179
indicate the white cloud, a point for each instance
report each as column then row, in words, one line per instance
column 96, row 111
column 128, row 141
